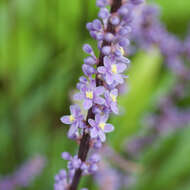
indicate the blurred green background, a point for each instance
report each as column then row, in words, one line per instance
column 40, row 62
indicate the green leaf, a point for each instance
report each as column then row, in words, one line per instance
column 167, row 165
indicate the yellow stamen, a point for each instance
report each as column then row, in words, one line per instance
column 89, row 94
column 122, row 50
column 114, row 69
column 102, row 125
column 71, row 118
column 113, row 97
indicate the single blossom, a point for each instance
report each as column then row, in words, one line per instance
column 75, row 119
column 90, row 95
column 112, row 70
column 111, row 100
column 99, row 127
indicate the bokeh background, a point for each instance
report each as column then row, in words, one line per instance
column 40, row 62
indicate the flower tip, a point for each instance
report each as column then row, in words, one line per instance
column 66, row 156
column 87, row 48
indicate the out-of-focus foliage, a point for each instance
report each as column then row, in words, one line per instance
column 143, row 80
column 40, row 61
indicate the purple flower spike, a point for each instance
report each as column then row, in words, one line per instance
column 90, row 94
column 111, row 100
column 75, row 119
column 98, row 89
column 112, row 71
column 99, row 127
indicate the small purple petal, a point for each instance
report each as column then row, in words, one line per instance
column 136, row 2
column 107, row 61
column 104, row 118
column 78, row 96
column 114, row 92
column 101, row 3
column 88, row 70
column 101, row 69
column 108, row 128
column 114, row 108
column 92, row 122
column 97, row 118
column 72, row 130
column 89, row 26
column 75, row 109
column 95, row 158
column 115, row 20
column 76, row 163
column 119, row 79
column 87, row 104
column 93, row 133
column 124, row 42
column 109, row 37
column 66, row 120
column 102, row 135
column 99, row 100
column 93, row 168
column 109, row 79
column 66, row 156
column 123, row 11
column 89, row 60
column 87, row 48
column 106, row 50
column 97, row 25
column 99, row 90
column 121, row 67
column 103, row 13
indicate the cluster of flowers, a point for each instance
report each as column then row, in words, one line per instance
column 99, row 87
column 109, row 177
column 24, row 176
column 62, row 179
column 148, row 32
